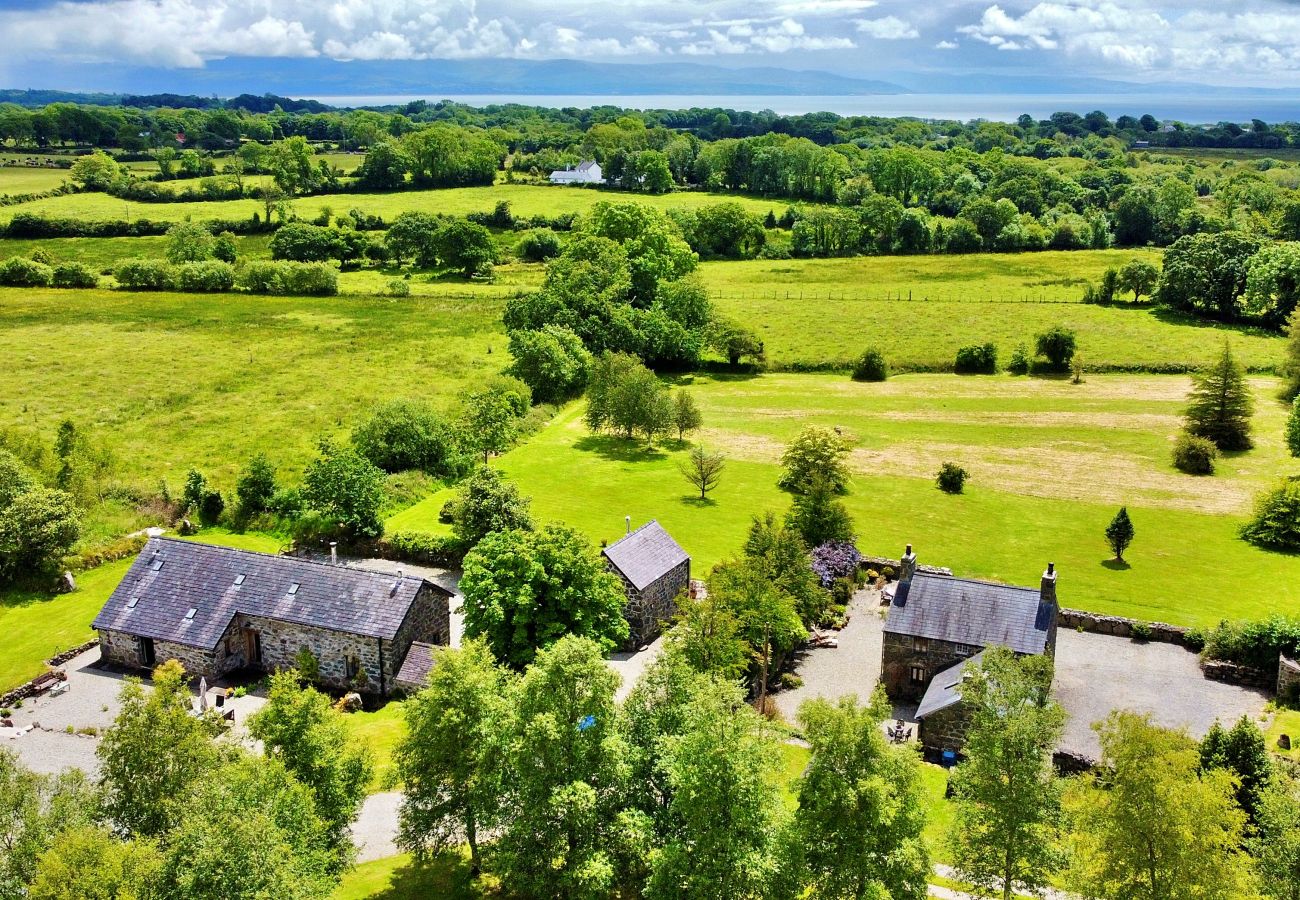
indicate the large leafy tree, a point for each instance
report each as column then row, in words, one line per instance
column 1291, row 360
column 1150, row 825
column 551, row 360
column 858, row 828
column 89, row 863
column 1276, row 843
column 1242, row 751
column 1221, row 405
column 410, row 434
column 37, row 529
column 1006, row 795
column 726, row 811
column 449, row 760
column 485, row 503
column 154, row 754
column 1273, row 283
column 817, row 452
column 708, row 635
column 768, row 617
column 777, row 550
column 34, row 811
column 656, row 251
column 345, row 489
column 299, row 727
column 568, row 767
column 525, row 590
column 1206, row 273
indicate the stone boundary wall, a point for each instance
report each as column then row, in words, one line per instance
column 1231, row 673
column 60, row 658
column 879, row 562
column 1095, row 623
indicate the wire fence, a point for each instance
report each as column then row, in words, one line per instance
column 796, row 295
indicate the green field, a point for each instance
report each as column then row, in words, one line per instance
column 36, row 626
column 29, row 179
column 524, row 199
column 1050, row 461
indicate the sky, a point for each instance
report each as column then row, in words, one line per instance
column 1219, row 42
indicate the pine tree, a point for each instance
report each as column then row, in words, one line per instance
column 1221, row 405
column 1119, row 533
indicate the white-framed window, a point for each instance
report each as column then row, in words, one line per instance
column 918, row 674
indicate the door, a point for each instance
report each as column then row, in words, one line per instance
column 253, row 647
column 144, row 648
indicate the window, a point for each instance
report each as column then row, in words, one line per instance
column 189, row 614
column 157, row 565
column 920, row 643
column 239, row 579
column 130, row 604
column 918, row 675
column 293, row 589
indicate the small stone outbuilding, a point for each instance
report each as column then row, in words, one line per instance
column 654, row 570
column 218, row 610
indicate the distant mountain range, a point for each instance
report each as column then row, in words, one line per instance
column 435, row 79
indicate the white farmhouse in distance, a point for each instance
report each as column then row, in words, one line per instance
column 587, row 172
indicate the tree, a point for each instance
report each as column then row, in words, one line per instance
column 154, row 753
column 299, row 727
column 88, row 863
column 551, row 361
column 466, row 247
column 769, row 620
column 449, row 758
column 224, row 248
column 1006, row 795
column 1292, row 431
column 1206, row 273
column 487, row 503
column 410, row 434
column 384, row 167
column 626, row 397
column 189, row 242
column 861, row 815
column 654, row 247
column 816, row 452
column 345, row 489
column 524, row 590
column 291, row 164
column 726, row 812
column 34, row 811
column 1242, row 751
column 304, row 242
column 686, row 414
column 779, row 551
column 36, row 530
column 1220, row 405
column 1291, row 360
column 1276, row 519
column 1138, row 276
column 1058, row 345
column 703, row 469
column 1273, row 283
column 1148, row 826
column 1119, row 533
column 568, row 764
column 1276, row 844
column 706, row 633
column 735, row 341
column 491, row 422
column 819, row 516
column 256, row 486
column 95, row 171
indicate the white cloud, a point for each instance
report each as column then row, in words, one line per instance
column 888, row 28
column 946, row 45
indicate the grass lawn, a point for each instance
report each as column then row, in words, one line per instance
column 524, row 199
column 29, row 179
column 1050, row 462
column 36, row 625
column 1284, row 721
column 380, row 731
column 169, row 381
column 939, row 811
column 446, row 877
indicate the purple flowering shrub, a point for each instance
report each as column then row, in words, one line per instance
column 835, row 559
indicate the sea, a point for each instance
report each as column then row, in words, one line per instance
column 1194, row 107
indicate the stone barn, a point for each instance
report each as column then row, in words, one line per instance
column 219, row 610
column 937, row 623
column 654, row 570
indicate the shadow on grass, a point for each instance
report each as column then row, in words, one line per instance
column 1178, row 317
column 618, row 449
column 1115, row 565
column 445, row 876
column 699, row 502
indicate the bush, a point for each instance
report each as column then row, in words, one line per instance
column 977, row 360
column 301, row 242
column 145, row 275
column 1057, row 345
column 1019, row 364
column 74, row 275
column 211, row 508
column 423, row 549
column 835, row 560
column 398, row 287
column 207, row 277
column 404, row 434
column 16, row 271
column 1194, row 455
column 538, row 245
column 951, row 478
column 871, row 366
column 1276, row 523
column 1255, row 644
column 1140, row 631
column 291, row 278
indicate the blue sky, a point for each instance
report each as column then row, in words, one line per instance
column 1226, row 42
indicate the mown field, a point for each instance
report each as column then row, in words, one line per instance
column 524, row 199
column 1050, row 464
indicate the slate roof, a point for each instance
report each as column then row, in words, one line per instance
column 945, row 688
column 416, row 667
column 966, row 611
column 646, row 555
column 172, row 577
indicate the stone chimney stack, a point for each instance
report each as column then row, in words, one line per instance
column 334, row 553
column 907, row 565
column 1047, row 588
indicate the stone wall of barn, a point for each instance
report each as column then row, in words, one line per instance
column 901, row 652
column 1288, row 679
column 429, row 620
column 647, row 610
column 944, row 730
column 282, row 642
column 120, row 648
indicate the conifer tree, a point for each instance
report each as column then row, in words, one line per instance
column 1119, row 533
column 1221, row 405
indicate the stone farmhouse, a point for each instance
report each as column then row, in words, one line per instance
column 938, row 624
column 219, row 610
column 586, row 172
column 654, row 570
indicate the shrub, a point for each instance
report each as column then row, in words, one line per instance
column 538, row 245
column 307, row 279
column 835, row 560
column 1194, row 455
column 816, row 453
column 211, row 507
column 74, row 275
column 1019, row 364
column 301, row 242
column 1141, row 631
column 951, row 478
column 145, row 275
column 17, row 271
column 210, row 276
column 551, row 361
column 1255, row 644
column 977, row 360
column 422, row 548
column 871, row 366
column 1276, row 522
column 398, row 287
column 405, row 434
column 1057, row 345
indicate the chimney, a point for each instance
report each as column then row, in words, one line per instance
column 392, row 592
column 334, row 553
column 907, row 565
column 1047, row 589
column 627, row 520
